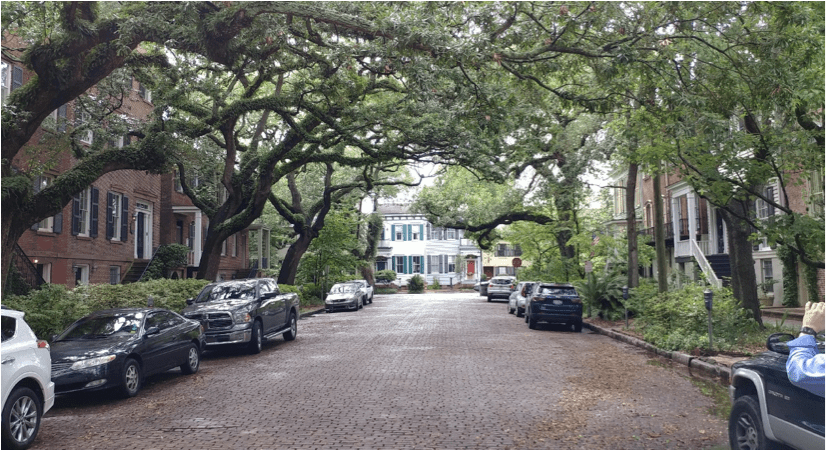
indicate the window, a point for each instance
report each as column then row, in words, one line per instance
column 48, row 224
column 178, row 187
column 145, row 93
column 8, row 326
column 433, row 264
column 224, row 248
column 117, row 211
column 505, row 270
column 768, row 274
column 12, row 79
column 44, row 270
column 399, row 234
column 85, row 213
column 451, row 264
column 417, row 265
column 381, row 265
column 437, row 233
column 415, row 233
column 816, row 198
column 61, row 118
column 763, row 208
column 114, row 275
column 398, row 263
column 451, row 234
column 81, row 274
column 235, row 245
column 87, row 136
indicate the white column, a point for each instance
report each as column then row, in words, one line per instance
column 260, row 236
column 692, row 215
column 675, row 222
column 196, row 245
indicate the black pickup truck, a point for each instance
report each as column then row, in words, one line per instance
column 244, row 312
column 767, row 411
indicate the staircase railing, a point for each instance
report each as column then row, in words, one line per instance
column 28, row 272
column 698, row 255
column 154, row 254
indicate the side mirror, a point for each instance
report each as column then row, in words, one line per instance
column 52, row 339
column 190, row 301
column 777, row 342
column 153, row 330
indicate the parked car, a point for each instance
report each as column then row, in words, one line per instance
column 767, row 410
column 366, row 289
column 344, row 296
column 120, row 348
column 244, row 312
column 501, row 287
column 516, row 303
column 482, row 287
column 554, row 303
column 27, row 387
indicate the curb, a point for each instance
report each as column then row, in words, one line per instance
column 306, row 314
column 710, row 369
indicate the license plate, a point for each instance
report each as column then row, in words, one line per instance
column 557, row 302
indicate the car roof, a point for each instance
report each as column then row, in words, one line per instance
column 554, row 284
column 126, row 310
column 11, row 312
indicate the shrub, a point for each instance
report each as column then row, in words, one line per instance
column 387, row 275
column 167, row 258
column 436, row 285
column 53, row 308
column 308, row 294
column 415, row 284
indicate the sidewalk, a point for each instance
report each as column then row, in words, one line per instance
column 718, row 366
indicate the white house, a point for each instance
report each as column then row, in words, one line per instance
column 411, row 245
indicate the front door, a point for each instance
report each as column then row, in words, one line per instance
column 143, row 230
column 471, row 267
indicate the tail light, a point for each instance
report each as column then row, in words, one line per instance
column 43, row 344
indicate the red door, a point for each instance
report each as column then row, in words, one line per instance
column 471, row 267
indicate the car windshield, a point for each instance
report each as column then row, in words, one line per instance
column 228, row 291
column 103, row 326
column 557, row 291
column 501, row 281
column 343, row 288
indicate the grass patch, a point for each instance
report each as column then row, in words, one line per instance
column 718, row 393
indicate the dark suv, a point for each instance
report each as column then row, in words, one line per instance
column 767, row 409
column 244, row 312
column 554, row 303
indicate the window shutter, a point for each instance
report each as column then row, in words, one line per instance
column 124, row 218
column 93, row 215
column 393, row 232
column 61, row 118
column 421, row 232
column 76, row 215
column 110, row 217
column 441, row 264
column 410, row 264
column 58, row 222
column 16, row 78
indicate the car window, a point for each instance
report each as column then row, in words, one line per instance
column 501, row 281
column 9, row 327
column 344, row 288
column 557, row 291
column 162, row 320
column 103, row 326
column 244, row 291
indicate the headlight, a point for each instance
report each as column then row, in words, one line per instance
column 88, row 363
column 241, row 317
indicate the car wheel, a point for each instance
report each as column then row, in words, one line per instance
column 519, row 313
column 531, row 323
column 290, row 334
column 131, row 383
column 21, row 418
column 489, row 298
column 745, row 428
column 526, row 317
column 578, row 326
column 256, row 343
column 193, row 360
column 510, row 310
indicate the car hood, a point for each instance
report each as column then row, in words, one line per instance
column 224, row 304
column 338, row 296
column 81, row 349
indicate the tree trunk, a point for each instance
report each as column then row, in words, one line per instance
column 659, row 235
column 743, row 280
column 631, row 226
column 289, row 268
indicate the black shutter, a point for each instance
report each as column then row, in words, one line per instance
column 110, row 216
column 16, row 78
column 76, row 215
column 124, row 218
column 58, row 222
column 61, row 118
column 93, row 221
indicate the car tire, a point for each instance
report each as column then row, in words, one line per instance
column 21, row 418
column 519, row 313
column 531, row 323
column 510, row 310
column 290, row 334
column 130, row 378
column 256, row 342
column 489, row 298
column 578, row 326
column 745, row 427
column 193, row 360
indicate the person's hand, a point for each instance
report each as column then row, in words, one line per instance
column 814, row 316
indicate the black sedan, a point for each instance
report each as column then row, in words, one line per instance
column 120, row 347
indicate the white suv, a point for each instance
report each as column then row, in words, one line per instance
column 28, row 390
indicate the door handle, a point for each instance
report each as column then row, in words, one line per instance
column 8, row 360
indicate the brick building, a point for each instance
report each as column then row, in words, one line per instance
column 110, row 231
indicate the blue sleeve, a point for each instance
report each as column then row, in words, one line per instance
column 805, row 366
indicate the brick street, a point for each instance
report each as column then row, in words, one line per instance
column 433, row 371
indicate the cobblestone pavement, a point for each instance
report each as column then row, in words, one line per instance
column 433, row 371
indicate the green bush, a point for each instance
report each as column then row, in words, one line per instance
column 436, row 285
column 53, row 308
column 415, row 284
column 678, row 320
column 167, row 258
column 385, row 274
column 308, row 294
